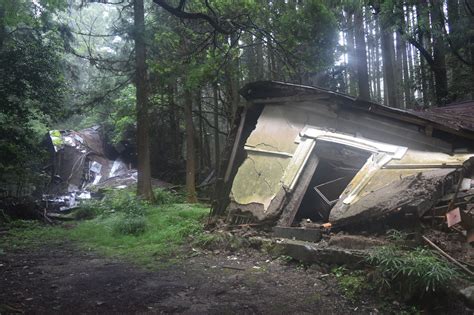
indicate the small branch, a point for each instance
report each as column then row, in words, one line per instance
column 180, row 13
column 450, row 42
column 420, row 48
column 97, row 35
column 446, row 255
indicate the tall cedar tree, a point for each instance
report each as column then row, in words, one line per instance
column 143, row 137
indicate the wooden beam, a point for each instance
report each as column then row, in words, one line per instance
column 238, row 137
column 298, row 193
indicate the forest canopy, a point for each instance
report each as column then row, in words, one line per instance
column 162, row 77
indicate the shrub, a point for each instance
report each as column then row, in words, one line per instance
column 88, row 210
column 130, row 212
column 130, row 225
column 123, row 201
column 166, row 197
column 4, row 218
column 413, row 273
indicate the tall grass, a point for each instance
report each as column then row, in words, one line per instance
column 124, row 226
column 413, row 273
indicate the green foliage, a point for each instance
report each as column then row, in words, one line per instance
column 20, row 12
column 4, row 218
column 88, row 210
column 352, row 283
column 130, row 225
column 168, row 227
column 285, row 259
column 221, row 241
column 122, row 201
column 413, row 273
column 31, row 88
column 396, row 235
column 308, row 35
column 131, row 220
column 165, row 197
column 116, row 115
column 27, row 233
column 122, row 117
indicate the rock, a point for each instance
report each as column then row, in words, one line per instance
column 354, row 242
column 468, row 295
column 312, row 253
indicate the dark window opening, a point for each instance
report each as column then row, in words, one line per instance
column 338, row 164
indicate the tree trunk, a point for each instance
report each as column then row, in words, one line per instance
column 251, row 59
column 361, row 56
column 190, row 150
column 259, row 56
column 406, row 82
column 144, row 189
column 412, row 71
column 460, row 75
column 377, row 61
column 439, row 55
column 232, row 83
column 202, row 155
column 453, row 15
column 370, row 63
column 390, row 88
column 351, row 60
column 271, row 62
column 428, row 77
column 174, row 123
column 216, row 126
column 2, row 26
column 422, row 81
column 399, row 71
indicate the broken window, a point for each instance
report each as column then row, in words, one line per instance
column 337, row 166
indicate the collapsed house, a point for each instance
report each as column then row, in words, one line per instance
column 80, row 161
column 307, row 154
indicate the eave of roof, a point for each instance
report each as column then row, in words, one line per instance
column 447, row 119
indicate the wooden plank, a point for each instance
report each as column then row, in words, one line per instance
column 294, row 203
column 297, row 163
column 222, row 188
column 238, row 137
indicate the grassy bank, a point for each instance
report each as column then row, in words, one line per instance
column 121, row 226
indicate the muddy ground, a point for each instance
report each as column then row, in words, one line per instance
column 63, row 279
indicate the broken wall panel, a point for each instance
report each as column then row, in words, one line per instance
column 415, row 193
column 258, row 180
column 277, row 129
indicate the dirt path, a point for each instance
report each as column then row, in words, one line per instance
column 59, row 279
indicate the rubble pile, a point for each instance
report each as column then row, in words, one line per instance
column 81, row 166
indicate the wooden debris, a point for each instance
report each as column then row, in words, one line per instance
column 453, row 217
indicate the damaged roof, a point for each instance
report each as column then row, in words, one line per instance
column 459, row 116
column 457, row 119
